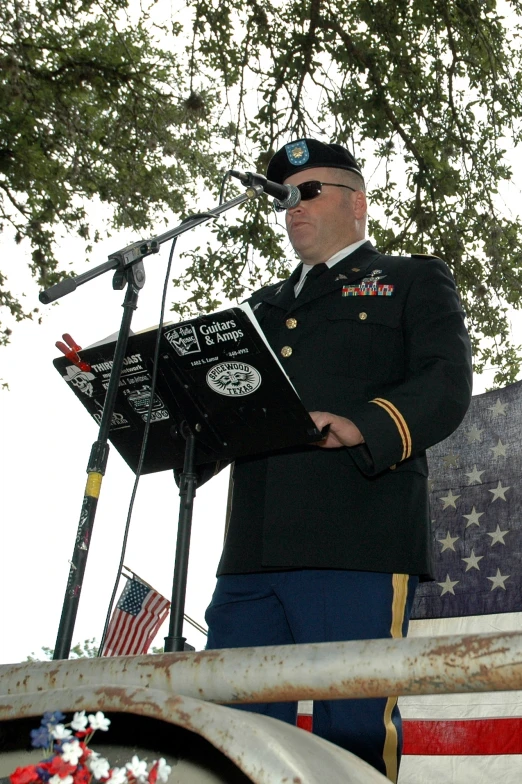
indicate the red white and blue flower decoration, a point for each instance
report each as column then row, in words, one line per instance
column 69, row 760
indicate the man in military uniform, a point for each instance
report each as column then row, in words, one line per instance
column 327, row 542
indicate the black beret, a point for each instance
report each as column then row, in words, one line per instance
column 308, row 154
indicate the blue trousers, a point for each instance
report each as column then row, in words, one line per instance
column 320, row 605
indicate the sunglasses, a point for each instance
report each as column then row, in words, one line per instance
column 310, row 189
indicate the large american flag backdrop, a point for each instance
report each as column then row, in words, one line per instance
column 476, row 502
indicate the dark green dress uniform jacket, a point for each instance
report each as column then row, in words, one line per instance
column 397, row 362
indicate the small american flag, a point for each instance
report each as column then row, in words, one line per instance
column 138, row 615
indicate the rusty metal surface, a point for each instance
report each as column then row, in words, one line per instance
column 370, row 668
column 266, row 750
column 181, row 687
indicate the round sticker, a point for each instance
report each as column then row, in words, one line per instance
column 233, row 379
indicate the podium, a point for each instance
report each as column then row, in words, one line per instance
column 216, row 373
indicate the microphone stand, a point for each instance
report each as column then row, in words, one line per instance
column 130, row 273
column 174, row 641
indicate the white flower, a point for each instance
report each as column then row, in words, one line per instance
column 79, row 721
column 137, row 768
column 118, row 776
column 163, row 770
column 60, row 732
column 99, row 722
column 71, row 752
column 57, row 780
column 99, row 766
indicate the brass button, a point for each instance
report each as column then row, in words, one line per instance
column 291, row 323
column 286, row 351
column 393, row 467
column 363, row 316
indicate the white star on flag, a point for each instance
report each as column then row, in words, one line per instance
column 499, row 450
column 449, row 500
column 474, row 476
column 448, row 542
column 472, row 561
column 498, row 580
column 499, row 492
column 474, row 434
column 497, row 536
column 448, row 585
column 499, row 409
column 451, row 460
column 473, row 518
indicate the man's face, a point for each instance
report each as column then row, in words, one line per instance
column 320, row 227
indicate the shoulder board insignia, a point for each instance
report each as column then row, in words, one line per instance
column 425, row 256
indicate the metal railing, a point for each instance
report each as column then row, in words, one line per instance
column 368, row 668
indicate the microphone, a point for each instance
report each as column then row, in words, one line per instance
column 288, row 196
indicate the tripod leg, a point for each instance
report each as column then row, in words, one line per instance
column 187, row 492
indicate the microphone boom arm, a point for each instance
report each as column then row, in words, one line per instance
column 134, row 253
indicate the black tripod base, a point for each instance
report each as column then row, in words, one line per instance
column 177, row 644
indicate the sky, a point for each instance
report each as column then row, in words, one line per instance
column 46, row 440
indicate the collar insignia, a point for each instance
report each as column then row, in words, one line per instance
column 341, row 277
column 374, row 276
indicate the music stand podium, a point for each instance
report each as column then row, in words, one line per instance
column 221, row 394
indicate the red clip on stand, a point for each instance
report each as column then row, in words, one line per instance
column 72, row 352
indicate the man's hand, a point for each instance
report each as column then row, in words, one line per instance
column 342, row 431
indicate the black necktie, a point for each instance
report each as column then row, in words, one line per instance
column 312, row 274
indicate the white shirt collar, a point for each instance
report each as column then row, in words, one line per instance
column 341, row 254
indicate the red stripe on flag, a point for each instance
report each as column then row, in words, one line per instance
column 472, row 736
column 305, row 722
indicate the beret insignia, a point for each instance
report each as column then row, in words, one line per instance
column 297, row 152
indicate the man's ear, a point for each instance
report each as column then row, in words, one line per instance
column 360, row 205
